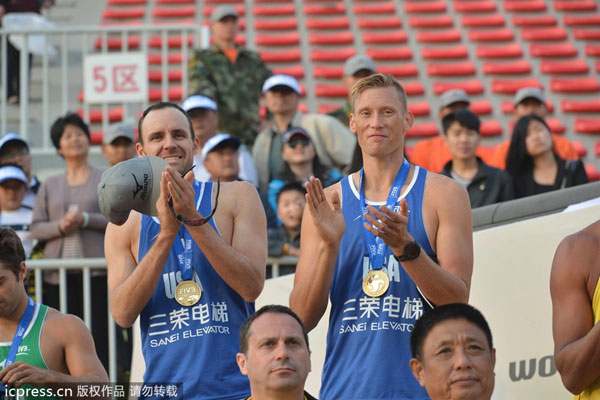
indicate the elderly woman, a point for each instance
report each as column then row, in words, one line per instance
column 67, row 218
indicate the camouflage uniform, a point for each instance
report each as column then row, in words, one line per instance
column 342, row 113
column 234, row 87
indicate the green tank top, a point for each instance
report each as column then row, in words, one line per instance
column 29, row 351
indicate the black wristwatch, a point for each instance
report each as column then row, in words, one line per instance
column 412, row 250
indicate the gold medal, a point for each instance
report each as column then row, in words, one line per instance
column 376, row 283
column 187, row 293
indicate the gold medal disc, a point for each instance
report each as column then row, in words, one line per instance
column 188, row 293
column 376, row 283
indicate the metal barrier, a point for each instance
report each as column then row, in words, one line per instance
column 56, row 98
column 86, row 265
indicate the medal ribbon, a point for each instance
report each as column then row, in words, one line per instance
column 19, row 334
column 375, row 246
column 183, row 247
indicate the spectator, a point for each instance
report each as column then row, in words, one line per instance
column 14, row 150
column 205, row 120
column 300, row 163
column 118, row 143
column 575, row 291
column 13, row 214
column 533, row 163
column 274, row 354
column 355, row 68
column 67, row 218
column 485, row 184
column 13, row 56
column 285, row 239
column 432, row 154
column 453, row 354
column 231, row 75
column 333, row 142
column 531, row 100
column 221, row 158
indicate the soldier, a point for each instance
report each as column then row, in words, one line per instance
column 231, row 75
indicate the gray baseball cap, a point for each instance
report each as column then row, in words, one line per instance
column 357, row 63
column 529, row 92
column 130, row 185
column 454, row 96
column 223, row 11
column 115, row 131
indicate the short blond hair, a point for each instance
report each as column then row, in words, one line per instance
column 378, row 81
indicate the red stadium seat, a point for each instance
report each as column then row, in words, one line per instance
column 413, row 88
column 575, row 5
column 471, row 87
column 580, row 106
column 173, row 58
column 322, row 90
column 173, row 94
column 292, row 55
column 239, row 8
column 494, row 35
column 454, row 52
column 461, row 68
column 485, row 20
column 425, row 129
column 297, row 71
column 284, row 9
column 379, row 23
column 95, row 116
column 122, row 23
column 169, row 12
column 586, row 34
column 597, row 149
column 419, row 109
column 572, row 20
column 481, row 107
column 125, row 2
column 115, row 43
column 172, row 42
column 326, row 108
column 518, row 67
column 575, row 85
column 385, row 37
column 566, row 49
column 513, row 50
column 519, row 5
column 328, row 23
column 425, row 7
column 508, row 107
column 155, row 75
column 592, row 173
column 279, row 39
column 397, row 53
column 587, row 125
column 556, row 126
column 129, row 13
column 186, row 21
column 344, row 37
column 576, row 66
column 328, row 72
column 318, row 9
column 379, row 8
column 535, row 20
column 399, row 70
column 175, row 1
column 279, row 24
column 438, row 21
column 579, row 148
column 512, row 86
column 598, row 66
column 490, row 128
column 224, row 1
column 438, row 36
column 475, row 6
column 332, row 55
column 552, row 33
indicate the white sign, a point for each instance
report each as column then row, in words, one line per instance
column 115, row 78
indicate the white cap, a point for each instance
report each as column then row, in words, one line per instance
column 10, row 171
column 198, row 101
column 219, row 140
column 9, row 137
column 281, row 80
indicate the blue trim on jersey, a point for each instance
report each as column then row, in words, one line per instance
column 194, row 345
column 368, row 341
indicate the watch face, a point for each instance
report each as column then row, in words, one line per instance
column 412, row 250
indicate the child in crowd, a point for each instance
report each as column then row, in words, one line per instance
column 285, row 239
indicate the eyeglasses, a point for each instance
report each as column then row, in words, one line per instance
column 296, row 141
column 199, row 221
column 13, row 154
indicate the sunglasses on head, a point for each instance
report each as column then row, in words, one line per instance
column 298, row 140
column 200, row 221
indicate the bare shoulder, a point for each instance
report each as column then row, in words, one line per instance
column 439, row 184
column 444, row 193
column 123, row 236
column 579, row 251
column 234, row 195
column 63, row 325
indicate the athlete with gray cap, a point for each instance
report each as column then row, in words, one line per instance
column 192, row 271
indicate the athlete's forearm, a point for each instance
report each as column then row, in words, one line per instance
column 579, row 361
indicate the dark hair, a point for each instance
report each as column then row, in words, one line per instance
column 319, row 170
column 12, row 253
column 465, row 118
column 58, row 127
column 160, row 106
column 272, row 308
column 436, row 315
column 289, row 186
column 518, row 160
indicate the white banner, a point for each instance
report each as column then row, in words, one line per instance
column 115, row 78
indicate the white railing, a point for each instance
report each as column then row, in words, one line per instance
column 73, row 43
column 86, row 265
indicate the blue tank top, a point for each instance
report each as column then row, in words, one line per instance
column 194, row 345
column 368, row 341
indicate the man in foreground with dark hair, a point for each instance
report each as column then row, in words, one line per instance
column 274, row 354
column 39, row 346
column 453, row 353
